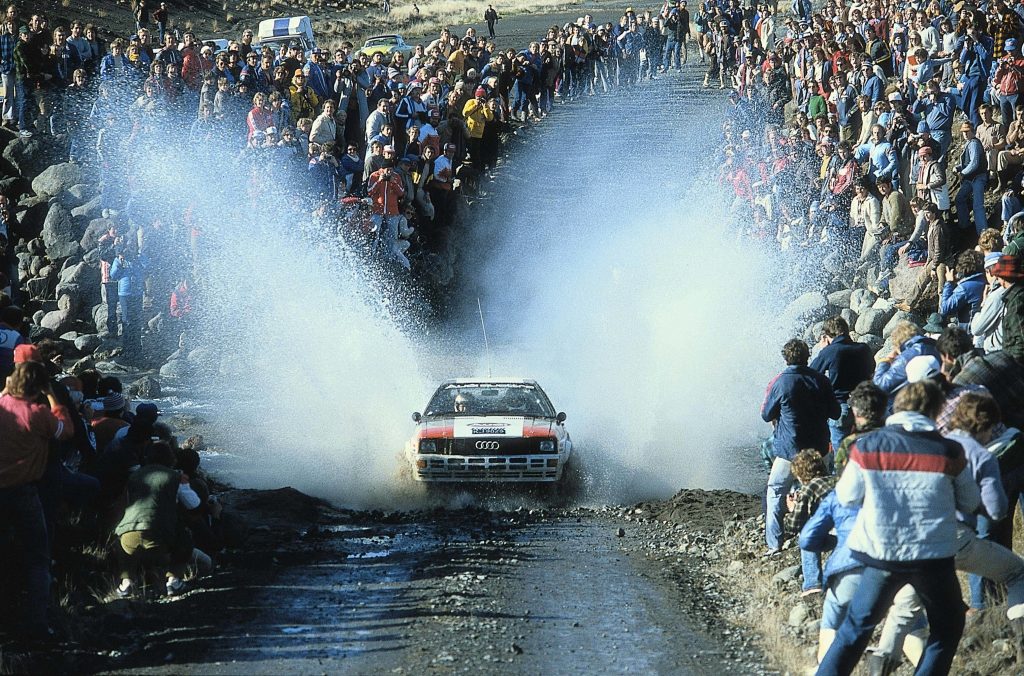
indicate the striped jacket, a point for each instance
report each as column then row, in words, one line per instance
column 909, row 482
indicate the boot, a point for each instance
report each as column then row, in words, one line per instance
column 881, row 665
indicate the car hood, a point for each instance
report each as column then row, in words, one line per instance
column 494, row 426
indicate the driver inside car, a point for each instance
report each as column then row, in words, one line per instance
column 463, row 402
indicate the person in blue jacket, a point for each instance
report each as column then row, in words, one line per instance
column 891, row 371
column 798, row 402
column 129, row 271
column 974, row 50
column 847, row 364
column 964, row 288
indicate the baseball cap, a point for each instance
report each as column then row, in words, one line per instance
column 389, row 149
column 923, row 367
column 895, row 96
column 450, row 146
column 23, row 30
column 992, row 258
column 27, row 352
column 480, row 92
column 1011, row 45
column 1008, row 268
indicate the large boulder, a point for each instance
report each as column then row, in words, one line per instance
column 31, row 156
column 57, row 178
column 88, row 343
column 14, row 187
column 873, row 341
column 861, row 300
column 29, row 217
column 58, row 321
column 146, row 387
column 97, row 228
column 809, row 307
column 873, row 321
column 890, row 326
column 850, row 316
column 176, row 369
column 60, row 233
column 841, row 298
column 89, row 210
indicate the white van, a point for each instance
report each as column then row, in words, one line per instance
column 275, row 32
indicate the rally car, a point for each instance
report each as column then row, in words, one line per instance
column 489, row 430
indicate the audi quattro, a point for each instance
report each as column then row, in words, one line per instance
column 489, row 430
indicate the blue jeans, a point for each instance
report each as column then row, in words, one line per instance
column 981, row 589
column 1007, row 102
column 671, row 51
column 131, row 325
column 26, row 90
column 780, row 480
column 936, row 585
column 971, row 196
column 810, row 563
column 943, row 138
column 841, row 589
column 21, row 509
column 837, row 429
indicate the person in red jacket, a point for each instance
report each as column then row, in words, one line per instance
column 26, row 429
column 386, row 192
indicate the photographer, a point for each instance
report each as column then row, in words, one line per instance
column 129, row 271
column 27, row 428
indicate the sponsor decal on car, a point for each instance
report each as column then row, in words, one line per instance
column 488, row 427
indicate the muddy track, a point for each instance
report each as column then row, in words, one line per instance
column 462, row 592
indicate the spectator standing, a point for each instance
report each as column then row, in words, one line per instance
column 905, row 536
column 798, row 402
column 491, row 17
column 847, row 364
column 129, row 271
column 27, row 428
column 162, row 18
column 973, row 170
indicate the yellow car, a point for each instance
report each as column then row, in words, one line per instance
column 387, row 45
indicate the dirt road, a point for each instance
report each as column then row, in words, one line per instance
column 466, row 591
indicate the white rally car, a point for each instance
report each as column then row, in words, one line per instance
column 489, row 430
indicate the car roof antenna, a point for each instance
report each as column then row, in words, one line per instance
column 487, row 345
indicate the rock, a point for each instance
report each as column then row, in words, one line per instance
column 37, row 333
column 798, row 614
column 179, row 369
column 872, row 321
column 57, row 178
column 785, row 575
column 13, row 187
column 808, row 307
column 70, row 336
column 841, row 298
column 861, row 300
column 37, row 287
column 81, row 192
column 88, row 343
column 890, row 326
column 849, row 315
column 31, row 156
column 58, row 321
column 872, row 341
column 89, row 210
column 37, row 316
column 37, row 247
column 146, row 387
column 30, row 217
column 60, row 233
column 735, row 566
column 620, row 533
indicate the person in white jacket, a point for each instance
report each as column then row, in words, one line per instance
column 987, row 324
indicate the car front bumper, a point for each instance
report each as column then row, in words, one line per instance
column 488, row 468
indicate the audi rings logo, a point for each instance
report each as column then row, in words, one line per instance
column 487, row 445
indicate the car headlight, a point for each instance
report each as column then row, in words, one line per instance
column 428, row 446
column 547, row 446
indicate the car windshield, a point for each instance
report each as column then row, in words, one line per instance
column 380, row 42
column 490, row 399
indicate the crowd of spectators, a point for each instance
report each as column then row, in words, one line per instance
column 877, row 146
column 377, row 148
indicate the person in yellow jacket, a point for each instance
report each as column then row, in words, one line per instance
column 477, row 115
column 304, row 102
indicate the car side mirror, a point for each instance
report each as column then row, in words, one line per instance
column 416, row 417
column 560, row 417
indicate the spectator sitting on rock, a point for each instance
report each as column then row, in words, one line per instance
column 124, row 453
column 11, row 320
column 799, row 402
column 987, row 325
column 815, row 484
column 939, row 249
column 148, row 529
column 891, row 371
column 965, row 285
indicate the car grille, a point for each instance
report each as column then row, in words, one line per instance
column 490, row 446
